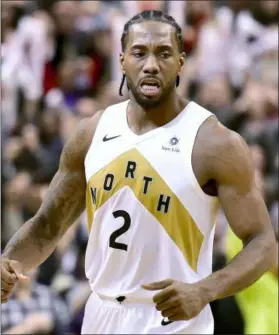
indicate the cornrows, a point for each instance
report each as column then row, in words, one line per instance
column 150, row 15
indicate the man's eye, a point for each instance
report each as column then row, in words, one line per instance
column 164, row 55
column 138, row 54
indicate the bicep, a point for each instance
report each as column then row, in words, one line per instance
column 240, row 198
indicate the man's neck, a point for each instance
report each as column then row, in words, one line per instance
column 141, row 120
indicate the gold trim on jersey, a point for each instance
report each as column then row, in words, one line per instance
column 177, row 222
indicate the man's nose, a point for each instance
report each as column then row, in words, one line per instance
column 151, row 65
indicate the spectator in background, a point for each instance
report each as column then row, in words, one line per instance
column 34, row 309
column 258, row 303
column 27, row 46
column 226, row 312
column 215, row 94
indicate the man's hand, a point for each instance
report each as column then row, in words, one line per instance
column 11, row 272
column 177, row 301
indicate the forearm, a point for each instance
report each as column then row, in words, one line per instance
column 245, row 268
column 33, row 243
column 38, row 237
column 63, row 203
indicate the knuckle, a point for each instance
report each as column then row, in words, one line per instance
column 158, row 307
column 177, row 289
column 181, row 311
column 3, row 292
column 164, row 313
column 7, row 294
column 173, row 291
column 6, row 284
column 156, row 298
column 176, row 298
column 7, row 276
column 175, row 302
column 10, row 279
column 181, row 296
column 179, row 303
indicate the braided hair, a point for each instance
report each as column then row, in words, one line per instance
column 150, row 15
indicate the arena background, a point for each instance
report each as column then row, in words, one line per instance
column 59, row 63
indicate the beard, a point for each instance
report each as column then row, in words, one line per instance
column 152, row 102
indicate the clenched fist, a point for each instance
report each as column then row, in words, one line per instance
column 11, row 272
column 177, row 301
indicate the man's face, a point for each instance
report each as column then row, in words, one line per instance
column 151, row 62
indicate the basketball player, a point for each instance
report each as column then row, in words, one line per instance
column 152, row 171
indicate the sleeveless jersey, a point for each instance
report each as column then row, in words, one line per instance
column 148, row 218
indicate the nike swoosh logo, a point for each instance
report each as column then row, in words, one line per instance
column 164, row 323
column 110, row 138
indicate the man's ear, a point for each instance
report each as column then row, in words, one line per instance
column 121, row 61
column 182, row 60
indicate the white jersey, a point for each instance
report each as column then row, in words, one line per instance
column 148, row 218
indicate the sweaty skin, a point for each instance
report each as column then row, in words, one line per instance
column 219, row 154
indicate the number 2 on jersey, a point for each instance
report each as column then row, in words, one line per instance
column 120, row 231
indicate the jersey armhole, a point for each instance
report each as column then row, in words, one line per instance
column 189, row 159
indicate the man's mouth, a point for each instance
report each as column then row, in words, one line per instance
column 150, row 87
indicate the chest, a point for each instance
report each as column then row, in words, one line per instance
column 157, row 168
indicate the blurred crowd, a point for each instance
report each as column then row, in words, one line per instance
column 59, row 64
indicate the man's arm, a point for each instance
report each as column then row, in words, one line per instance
column 62, row 205
column 225, row 158
column 231, row 166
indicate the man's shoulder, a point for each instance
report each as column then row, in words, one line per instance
column 216, row 137
column 84, row 131
column 80, row 140
column 88, row 126
column 218, row 149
